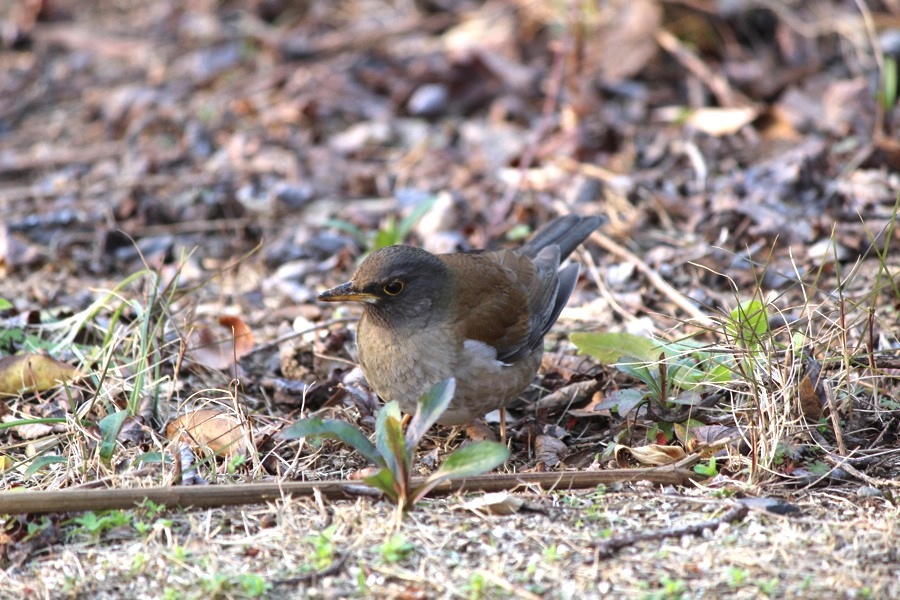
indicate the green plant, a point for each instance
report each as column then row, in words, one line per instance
column 769, row 587
column 253, row 585
column 736, row 576
column 237, row 461
column 323, row 547
column 93, row 525
column 33, row 529
column 215, row 584
column 393, row 451
column 477, row 586
column 671, row 372
column 670, row 589
column 396, row 548
column 361, row 578
column 392, row 231
column 551, row 553
column 709, row 470
column 889, row 83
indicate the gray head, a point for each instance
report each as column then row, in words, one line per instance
column 399, row 286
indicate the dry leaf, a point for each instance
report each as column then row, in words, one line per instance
column 721, row 121
column 36, row 372
column 217, row 430
column 810, row 391
column 218, row 353
column 810, row 402
column 550, row 450
column 477, row 431
column 623, row 46
column 497, row 503
column 709, row 438
column 29, row 431
column 651, row 454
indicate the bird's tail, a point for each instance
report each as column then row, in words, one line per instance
column 566, row 232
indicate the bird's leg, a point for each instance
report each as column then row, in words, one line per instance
column 503, row 425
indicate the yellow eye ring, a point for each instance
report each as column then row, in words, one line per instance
column 393, row 288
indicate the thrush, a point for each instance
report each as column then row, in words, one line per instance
column 478, row 316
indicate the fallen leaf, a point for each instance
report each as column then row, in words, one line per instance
column 6, row 463
column 497, row 503
column 625, row 44
column 217, row 353
column 721, row 121
column 811, row 391
column 550, row 450
column 651, row 454
column 479, row 432
column 708, row 438
column 210, row 428
column 810, row 402
column 29, row 431
column 33, row 372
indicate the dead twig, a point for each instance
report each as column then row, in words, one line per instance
column 334, row 568
column 655, row 278
column 39, row 502
column 607, row 548
column 727, row 96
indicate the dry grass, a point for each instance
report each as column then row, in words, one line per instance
column 838, row 546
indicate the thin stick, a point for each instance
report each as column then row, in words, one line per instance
column 655, row 278
column 38, row 502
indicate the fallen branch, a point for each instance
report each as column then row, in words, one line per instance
column 37, row 502
column 609, row 547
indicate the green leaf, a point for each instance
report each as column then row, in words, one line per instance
column 428, row 410
column 518, row 232
column 384, row 481
column 395, row 456
column 5, row 304
column 749, row 322
column 708, row 470
column 623, row 400
column 336, row 430
column 109, row 429
column 889, row 86
column 609, row 348
column 391, row 445
column 387, row 235
column 703, row 368
column 348, row 227
column 633, row 367
column 390, row 412
column 410, row 221
column 41, row 462
column 468, row 461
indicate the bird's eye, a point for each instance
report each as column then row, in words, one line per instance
column 393, row 288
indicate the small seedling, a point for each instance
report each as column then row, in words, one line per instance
column 709, row 470
column 323, row 547
column 91, row 524
column 392, row 232
column 393, row 451
column 737, row 576
column 396, row 549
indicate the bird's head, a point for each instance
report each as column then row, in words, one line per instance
column 399, row 286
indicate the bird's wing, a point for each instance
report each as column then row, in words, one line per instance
column 504, row 299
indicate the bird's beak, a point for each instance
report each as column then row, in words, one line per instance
column 346, row 293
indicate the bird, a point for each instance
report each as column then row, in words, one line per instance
column 478, row 316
